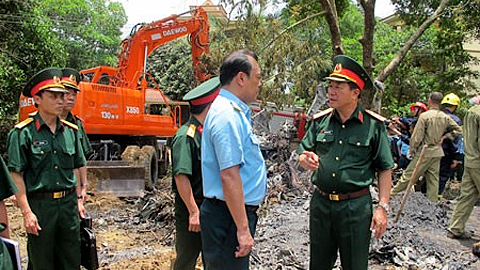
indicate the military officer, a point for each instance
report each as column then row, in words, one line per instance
column 70, row 79
column 43, row 153
column 346, row 145
column 7, row 189
column 470, row 189
column 187, row 175
column 432, row 126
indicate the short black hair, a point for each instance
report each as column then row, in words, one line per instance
column 354, row 86
column 198, row 109
column 234, row 63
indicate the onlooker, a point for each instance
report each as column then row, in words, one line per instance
column 187, row 175
column 431, row 128
column 70, row 80
column 470, row 188
column 233, row 169
column 346, row 146
column 43, row 152
column 451, row 149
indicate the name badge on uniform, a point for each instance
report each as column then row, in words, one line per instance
column 326, row 132
column 40, row 143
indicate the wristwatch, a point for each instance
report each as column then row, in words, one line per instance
column 384, row 205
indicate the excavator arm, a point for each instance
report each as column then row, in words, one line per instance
column 141, row 43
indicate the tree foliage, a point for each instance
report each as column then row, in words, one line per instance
column 38, row 34
column 88, row 30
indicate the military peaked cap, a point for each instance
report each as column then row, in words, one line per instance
column 47, row 79
column 204, row 93
column 71, row 78
column 348, row 70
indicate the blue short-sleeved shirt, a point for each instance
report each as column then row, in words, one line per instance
column 228, row 141
column 404, row 147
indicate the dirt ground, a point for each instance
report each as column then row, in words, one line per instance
column 139, row 234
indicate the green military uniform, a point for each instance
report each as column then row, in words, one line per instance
column 470, row 189
column 349, row 155
column 82, row 135
column 47, row 161
column 7, row 189
column 186, row 160
column 430, row 128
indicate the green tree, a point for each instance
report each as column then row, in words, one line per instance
column 88, row 30
column 39, row 34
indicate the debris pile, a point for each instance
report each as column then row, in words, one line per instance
column 418, row 240
column 286, row 179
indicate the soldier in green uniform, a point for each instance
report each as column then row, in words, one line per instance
column 70, row 80
column 432, row 126
column 7, row 189
column 346, row 146
column 187, row 175
column 470, row 188
column 43, row 153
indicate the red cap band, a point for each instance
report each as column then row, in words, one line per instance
column 205, row 99
column 45, row 84
column 349, row 75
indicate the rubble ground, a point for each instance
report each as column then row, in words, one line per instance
column 139, row 233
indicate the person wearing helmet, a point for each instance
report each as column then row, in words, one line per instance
column 418, row 108
column 432, row 126
column 407, row 125
column 453, row 156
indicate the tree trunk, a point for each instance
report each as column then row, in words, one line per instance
column 367, row 43
column 332, row 19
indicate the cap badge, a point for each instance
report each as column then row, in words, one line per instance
column 72, row 78
column 338, row 68
column 56, row 80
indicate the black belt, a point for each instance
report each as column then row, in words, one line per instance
column 249, row 208
column 51, row 195
column 343, row 196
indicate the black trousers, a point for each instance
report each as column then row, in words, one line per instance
column 188, row 245
column 219, row 236
column 446, row 172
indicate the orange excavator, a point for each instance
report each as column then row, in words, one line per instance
column 127, row 122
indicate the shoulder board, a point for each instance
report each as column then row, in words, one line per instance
column 235, row 106
column 24, row 123
column 78, row 118
column 69, row 124
column 322, row 113
column 191, row 131
column 376, row 116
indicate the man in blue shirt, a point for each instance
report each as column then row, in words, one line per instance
column 233, row 169
column 453, row 157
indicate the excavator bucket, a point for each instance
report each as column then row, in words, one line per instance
column 118, row 178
